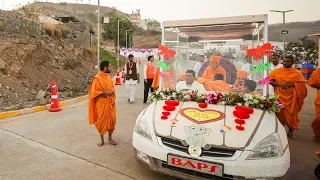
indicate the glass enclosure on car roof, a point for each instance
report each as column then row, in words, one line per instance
column 228, row 37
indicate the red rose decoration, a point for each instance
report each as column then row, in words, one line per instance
column 241, row 115
column 166, row 113
column 164, row 117
column 267, row 105
column 203, row 105
column 169, row 108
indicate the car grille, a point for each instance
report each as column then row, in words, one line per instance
column 212, row 152
column 164, row 165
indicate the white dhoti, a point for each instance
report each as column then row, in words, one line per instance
column 131, row 88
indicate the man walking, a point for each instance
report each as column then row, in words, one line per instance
column 149, row 71
column 290, row 85
column 102, row 103
column 131, row 77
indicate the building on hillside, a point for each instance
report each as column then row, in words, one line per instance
column 135, row 18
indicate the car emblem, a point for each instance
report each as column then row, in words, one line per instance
column 200, row 116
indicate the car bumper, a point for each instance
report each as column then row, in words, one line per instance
column 155, row 156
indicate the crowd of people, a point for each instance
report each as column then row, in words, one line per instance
column 286, row 81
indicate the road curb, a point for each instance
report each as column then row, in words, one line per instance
column 9, row 114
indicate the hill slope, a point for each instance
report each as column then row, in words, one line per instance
column 86, row 12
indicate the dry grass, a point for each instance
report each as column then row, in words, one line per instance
column 2, row 24
column 56, row 30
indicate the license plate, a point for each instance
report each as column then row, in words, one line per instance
column 195, row 165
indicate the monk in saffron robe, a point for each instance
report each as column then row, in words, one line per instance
column 218, row 85
column 214, row 69
column 290, row 85
column 102, row 107
column 314, row 81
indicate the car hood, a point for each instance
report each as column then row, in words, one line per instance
column 216, row 124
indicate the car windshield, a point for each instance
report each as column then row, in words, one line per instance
column 216, row 55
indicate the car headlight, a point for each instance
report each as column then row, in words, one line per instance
column 270, row 147
column 142, row 128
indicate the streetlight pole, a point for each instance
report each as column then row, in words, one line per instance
column 127, row 41
column 98, row 45
column 118, row 48
column 283, row 32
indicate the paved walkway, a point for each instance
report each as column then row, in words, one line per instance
column 63, row 146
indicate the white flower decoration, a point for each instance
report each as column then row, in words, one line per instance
column 255, row 101
column 246, row 104
column 262, row 98
column 261, row 106
column 239, row 104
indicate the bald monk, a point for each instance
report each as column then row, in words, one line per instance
column 238, row 86
column 314, row 81
column 289, row 83
column 102, row 107
column 214, row 69
column 250, row 88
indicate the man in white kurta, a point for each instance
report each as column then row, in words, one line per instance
column 274, row 65
column 131, row 78
column 190, row 83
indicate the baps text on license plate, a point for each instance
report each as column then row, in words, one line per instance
column 192, row 164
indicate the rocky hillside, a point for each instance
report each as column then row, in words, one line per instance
column 33, row 54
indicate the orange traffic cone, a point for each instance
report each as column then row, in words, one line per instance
column 122, row 72
column 55, row 107
column 118, row 79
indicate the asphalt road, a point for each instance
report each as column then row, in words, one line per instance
column 63, row 146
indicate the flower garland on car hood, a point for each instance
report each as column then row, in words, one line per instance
column 264, row 103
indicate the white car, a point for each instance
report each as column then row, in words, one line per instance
column 213, row 140
column 259, row 151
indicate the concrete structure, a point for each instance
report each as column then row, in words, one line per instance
column 135, row 18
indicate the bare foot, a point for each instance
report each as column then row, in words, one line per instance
column 316, row 139
column 100, row 144
column 112, row 142
column 290, row 135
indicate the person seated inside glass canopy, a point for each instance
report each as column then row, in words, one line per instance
column 250, row 88
column 238, row 86
column 190, row 83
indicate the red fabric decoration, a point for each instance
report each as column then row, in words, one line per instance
column 166, row 113
column 240, row 121
column 247, row 110
column 168, row 102
column 172, row 103
column 164, row 117
column 203, row 105
column 175, row 103
column 240, row 128
column 241, row 115
column 260, row 51
column 169, row 108
column 167, row 53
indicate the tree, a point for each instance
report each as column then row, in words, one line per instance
column 304, row 50
column 111, row 30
